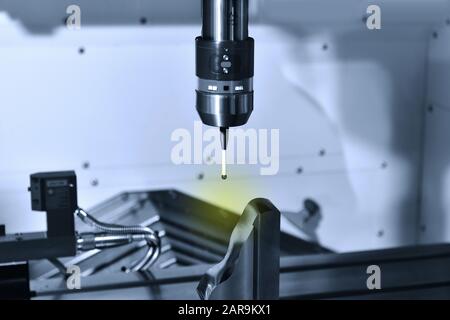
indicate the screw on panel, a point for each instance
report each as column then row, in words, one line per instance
column 384, row 165
column 430, row 108
column 200, row 176
column 81, row 50
column 94, row 182
column 85, row 165
column 322, row 152
column 435, row 34
column 325, row 47
column 143, row 20
column 447, row 21
column 380, row 233
column 300, row 170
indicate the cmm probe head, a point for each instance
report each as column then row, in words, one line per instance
column 224, row 67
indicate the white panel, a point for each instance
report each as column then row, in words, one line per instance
column 350, row 12
column 435, row 222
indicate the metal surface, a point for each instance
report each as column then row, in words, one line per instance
column 217, row 23
column 250, row 268
column 224, row 110
column 35, row 245
column 218, row 104
column 407, row 273
column 241, row 14
column 215, row 20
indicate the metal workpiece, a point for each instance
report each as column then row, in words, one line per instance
column 250, row 268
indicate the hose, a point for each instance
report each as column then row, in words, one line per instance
column 111, row 228
column 114, row 235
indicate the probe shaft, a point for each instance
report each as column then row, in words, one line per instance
column 224, row 143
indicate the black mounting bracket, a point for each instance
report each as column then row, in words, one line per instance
column 56, row 194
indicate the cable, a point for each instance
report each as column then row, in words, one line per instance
column 114, row 235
